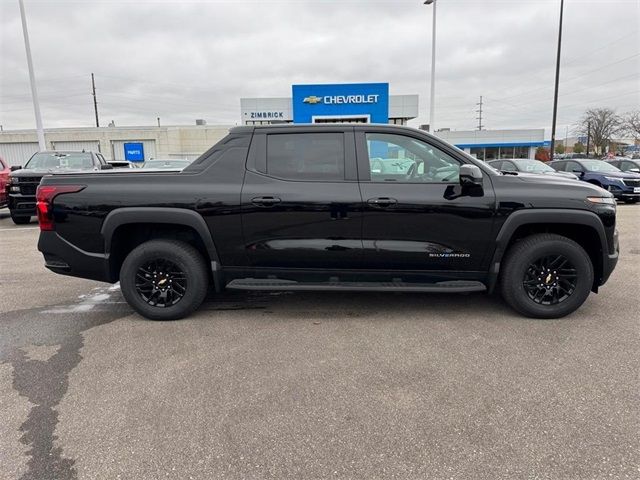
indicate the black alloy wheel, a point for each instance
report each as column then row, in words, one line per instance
column 546, row 275
column 161, row 283
column 164, row 279
column 550, row 280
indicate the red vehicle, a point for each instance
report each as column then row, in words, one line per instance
column 4, row 180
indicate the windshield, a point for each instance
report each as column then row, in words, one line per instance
column 599, row 166
column 534, row 166
column 61, row 161
column 166, row 164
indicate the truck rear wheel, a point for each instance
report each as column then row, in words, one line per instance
column 546, row 276
column 164, row 279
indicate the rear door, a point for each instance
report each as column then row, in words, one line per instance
column 414, row 215
column 301, row 204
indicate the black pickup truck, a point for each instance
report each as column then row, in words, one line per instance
column 330, row 207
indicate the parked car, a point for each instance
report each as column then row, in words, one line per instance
column 23, row 182
column 623, row 185
column 626, row 164
column 300, row 207
column 166, row 164
column 526, row 165
column 4, row 180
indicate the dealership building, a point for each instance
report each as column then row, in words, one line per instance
column 492, row 144
column 332, row 103
column 322, row 103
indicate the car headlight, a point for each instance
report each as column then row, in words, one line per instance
column 602, row 200
column 14, row 189
column 614, row 179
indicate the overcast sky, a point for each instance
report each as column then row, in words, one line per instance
column 182, row 60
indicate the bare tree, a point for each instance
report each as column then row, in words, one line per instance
column 631, row 124
column 602, row 123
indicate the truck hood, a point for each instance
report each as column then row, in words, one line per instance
column 558, row 182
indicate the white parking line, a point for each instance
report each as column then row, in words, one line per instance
column 17, row 228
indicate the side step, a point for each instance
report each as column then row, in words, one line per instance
column 451, row 286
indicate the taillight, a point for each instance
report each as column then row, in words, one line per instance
column 44, row 206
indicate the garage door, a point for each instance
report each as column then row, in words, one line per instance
column 18, row 153
column 87, row 146
column 148, row 146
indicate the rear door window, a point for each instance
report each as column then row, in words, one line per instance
column 306, row 156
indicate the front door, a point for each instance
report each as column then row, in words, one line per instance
column 301, row 205
column 415, row 216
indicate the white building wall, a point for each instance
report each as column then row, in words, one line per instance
column 188, row 141
column 465, row 137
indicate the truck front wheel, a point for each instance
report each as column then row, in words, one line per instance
column 164, row 279
column 546, row 276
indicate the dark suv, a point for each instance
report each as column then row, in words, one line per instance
column 626, row 164
column 623, row 185
column 23, row 182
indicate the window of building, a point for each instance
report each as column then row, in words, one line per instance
column 521, row 152
column 306, row 156
column 506, row 152
column 491, row 153
column 399, row 158
column 477, row 152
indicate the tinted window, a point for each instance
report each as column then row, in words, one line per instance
column 61, row 161
column 573, row 167
column 306, row 156
column 509, row 167
column 398, row 158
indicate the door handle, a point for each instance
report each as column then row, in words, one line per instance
column 382, row 202
column 265, row 201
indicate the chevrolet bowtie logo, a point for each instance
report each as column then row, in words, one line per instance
column 312, row 99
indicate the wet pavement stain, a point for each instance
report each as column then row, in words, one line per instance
column 44, row 383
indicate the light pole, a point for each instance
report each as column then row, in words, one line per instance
column 555, row 93
column 432, row 105
column 32, row 80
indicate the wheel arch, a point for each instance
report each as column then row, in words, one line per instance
column 125, row 228
column 584, row 227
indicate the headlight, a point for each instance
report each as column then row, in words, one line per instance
column 614, row 179
column 602, row 200
column 14, row 189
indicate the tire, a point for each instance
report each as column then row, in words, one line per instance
column 525, row 260
column 186, row 267
column 20, row 220
column 631, row 200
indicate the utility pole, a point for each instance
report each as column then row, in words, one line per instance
column 158, row 121
column 432, row 100
column 588, row 136
column 479, row 111
column 95, row 100
column 555, row 93
column 32, row 80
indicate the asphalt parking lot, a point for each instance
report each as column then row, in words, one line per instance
column 314, row 385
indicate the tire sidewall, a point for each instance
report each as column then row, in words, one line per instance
column 167, row 251
column 519, row 265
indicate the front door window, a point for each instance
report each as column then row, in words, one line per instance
column 399, row 158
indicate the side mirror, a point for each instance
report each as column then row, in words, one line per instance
column 16, row 167
column 470, row 175
column 106, row 167
column 634, row 170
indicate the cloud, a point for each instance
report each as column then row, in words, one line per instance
column 183, row 60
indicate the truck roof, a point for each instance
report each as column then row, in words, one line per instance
column 323, row 126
